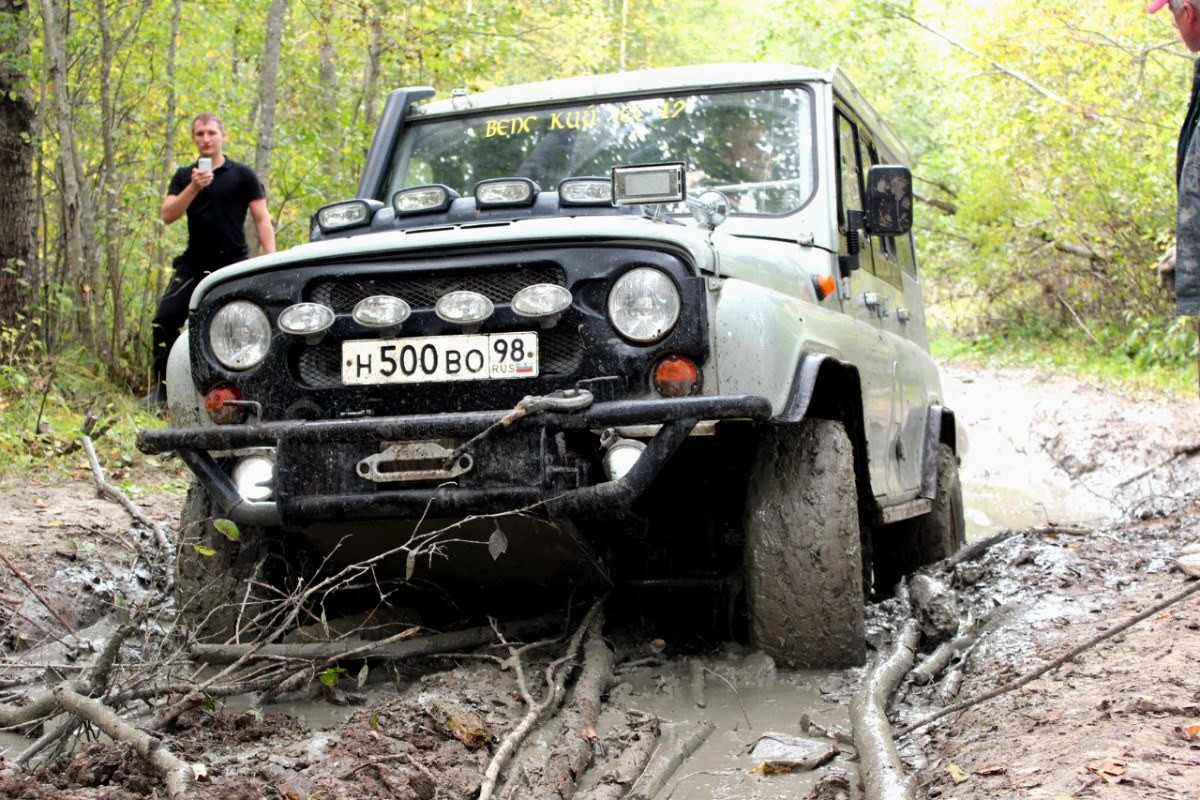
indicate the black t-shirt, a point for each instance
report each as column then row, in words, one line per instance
column 216, row 218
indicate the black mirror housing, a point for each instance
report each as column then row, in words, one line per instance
column 889, row 200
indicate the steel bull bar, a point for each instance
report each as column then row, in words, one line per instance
column 677, row 416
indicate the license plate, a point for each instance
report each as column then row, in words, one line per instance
column 432, row 359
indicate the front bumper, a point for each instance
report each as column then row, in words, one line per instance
column 677, row 417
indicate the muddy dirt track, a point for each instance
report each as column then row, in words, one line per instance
column 1086, row 495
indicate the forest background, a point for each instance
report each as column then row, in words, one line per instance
column 1042, row 138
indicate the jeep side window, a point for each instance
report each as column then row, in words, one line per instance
column 850, row 191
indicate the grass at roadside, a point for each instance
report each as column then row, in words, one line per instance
column 1101, row 358
column 45, row 406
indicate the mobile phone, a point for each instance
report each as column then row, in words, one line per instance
column 204, row 164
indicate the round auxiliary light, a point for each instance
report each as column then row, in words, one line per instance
column 253, row 477
column 541, row 300
column 466, row 308
column 239, row 335
column 305, row 319
column 381, row 311
column 644, row 305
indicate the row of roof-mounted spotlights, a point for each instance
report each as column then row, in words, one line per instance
column 543, row 302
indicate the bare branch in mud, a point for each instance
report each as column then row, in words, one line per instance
column 574, row 752
column 882, row 771
column 177, row 774
column 976, row 549
column 112, row 492
column 675, row 746
column 555, row 680
column 1034, row 674
column 615, row 781
column 936, row 661
column 395, row 647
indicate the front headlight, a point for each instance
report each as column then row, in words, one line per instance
column 239, row 335
column 644, row 305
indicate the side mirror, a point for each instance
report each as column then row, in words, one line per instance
column 889, row 200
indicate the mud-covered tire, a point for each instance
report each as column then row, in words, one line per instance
column 903, row 547
column 217, row 578
column 803, row 555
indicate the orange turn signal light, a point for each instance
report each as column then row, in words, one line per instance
column 222, row 407
column 676, row 376
column 824, row 285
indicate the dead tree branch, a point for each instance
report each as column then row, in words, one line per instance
column 615, row 782
column 574, row 751
column 1034, row 674
column 176, row 772
column 112, row 492
column 882, row 771
column 555, row 679
column 673, row 749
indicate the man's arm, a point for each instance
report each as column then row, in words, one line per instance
column 262, row 224
column 175, row 206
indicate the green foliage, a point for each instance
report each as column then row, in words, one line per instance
column 227, row 528
column 329, row 677
column 1042, row 135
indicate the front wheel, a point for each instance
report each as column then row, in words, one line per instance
column 803, row 553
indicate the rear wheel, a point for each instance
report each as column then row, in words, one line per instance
column 221, row 584
column 803, row 555
column 906, row 546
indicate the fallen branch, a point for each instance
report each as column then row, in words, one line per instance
column 696, row 683
column 574, row 751
column 1034, row 674
column 386, row 648
column 882, row 771
column 112, row 492
column 977, row 549
column 614, row 782
column 175, row 772
column 936, row 661
column 673, row 749
column 554, row 693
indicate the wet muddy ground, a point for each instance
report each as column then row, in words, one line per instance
column 1100, row 485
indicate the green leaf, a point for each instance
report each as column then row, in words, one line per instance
column 227, row 528
column 204, row 551
column 330, row 676
column 256, row 713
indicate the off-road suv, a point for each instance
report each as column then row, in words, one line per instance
column 656, row 329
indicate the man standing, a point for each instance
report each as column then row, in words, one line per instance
column 214, row 192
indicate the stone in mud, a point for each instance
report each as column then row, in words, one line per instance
column 935, row 605
column 792, row 752
column 1189, row 564
column 834, row 785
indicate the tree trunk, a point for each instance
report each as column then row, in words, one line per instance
column 16, row 161
column 72, row 216
column 268, row 91
column 327, row 86
column 108, row 189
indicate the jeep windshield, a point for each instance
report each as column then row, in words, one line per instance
column 755, row 146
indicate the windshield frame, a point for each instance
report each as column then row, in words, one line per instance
column 405, row 143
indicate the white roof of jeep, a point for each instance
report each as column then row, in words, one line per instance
column 623, row 84
column 652, row 81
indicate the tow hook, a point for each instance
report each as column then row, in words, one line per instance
column 560, row 400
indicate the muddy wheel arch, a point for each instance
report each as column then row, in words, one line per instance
column 803, row 553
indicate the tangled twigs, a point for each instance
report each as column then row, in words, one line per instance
column 555, row 679
column 1034, row 674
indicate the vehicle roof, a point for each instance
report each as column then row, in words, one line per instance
column 653, row 81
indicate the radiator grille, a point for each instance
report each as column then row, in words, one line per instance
column 422, row 291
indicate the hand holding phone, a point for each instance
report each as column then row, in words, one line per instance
column 204, row 164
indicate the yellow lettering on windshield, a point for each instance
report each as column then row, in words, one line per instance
column 508, row 126
column 673, row 108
